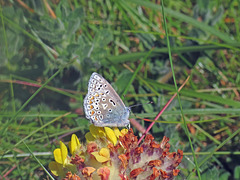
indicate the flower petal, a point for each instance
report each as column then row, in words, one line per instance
column 89, row 137
column 99, row 158
column 56, row 169
column 64, row 150
column 104, row 152
column 96, row 131
column 111, row 135
column 134, row 173
column 87, row 172
column 74, row 144
column 102, row 156
column 60, row 154
column 117, row 132
column 124, row 131
column 104, row 172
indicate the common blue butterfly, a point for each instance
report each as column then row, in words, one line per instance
column 103, row 106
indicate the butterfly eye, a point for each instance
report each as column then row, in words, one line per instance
column 110, row 110
column 105, row 85
column 107, row 92
column 103, row 99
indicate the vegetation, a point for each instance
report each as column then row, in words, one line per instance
column 49, row 49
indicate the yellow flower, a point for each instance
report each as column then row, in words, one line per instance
column 56, row 169
column 102, row 156
column 103, row 133
column 118, row 133
column 74, row 145
column 62, row 164
column 110, row 135
column 124, row 131
column 89, row 137
column 111, row 154
column 97, row 132
column 60, row 154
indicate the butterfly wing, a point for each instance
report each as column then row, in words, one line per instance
column 102, row 105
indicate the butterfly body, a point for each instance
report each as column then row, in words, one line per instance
column 103, row 106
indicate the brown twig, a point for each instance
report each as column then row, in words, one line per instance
column 51, row 12
column 25, row 6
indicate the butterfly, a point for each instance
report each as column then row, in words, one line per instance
column 103, row 106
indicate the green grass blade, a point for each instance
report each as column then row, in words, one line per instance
column 5, row 126
column 186, row 19
column 156, row 52
column 219, row 146
column 191, row 93
column 38, row 161
column 33, row 132
column 176, row 90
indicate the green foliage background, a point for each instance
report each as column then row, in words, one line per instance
column 46, row 59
